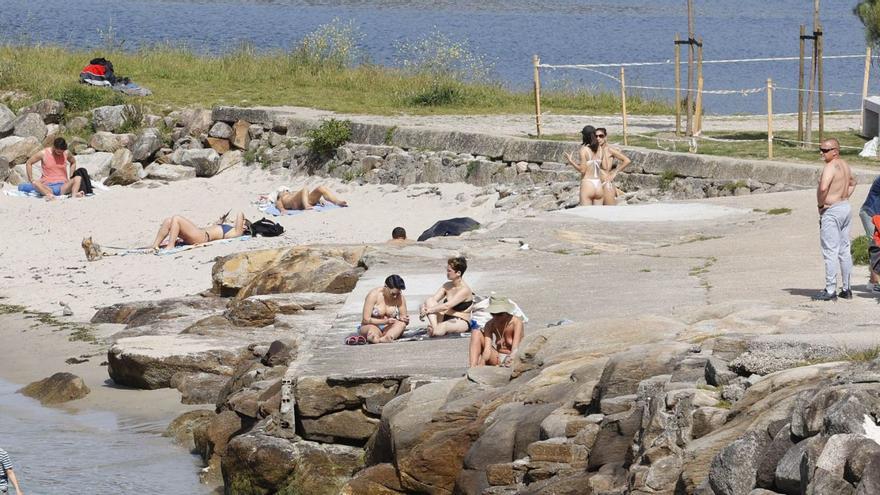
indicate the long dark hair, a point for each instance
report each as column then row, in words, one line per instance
column 590, row 140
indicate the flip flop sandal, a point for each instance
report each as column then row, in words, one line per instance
column 361, row 340
column 352, row 340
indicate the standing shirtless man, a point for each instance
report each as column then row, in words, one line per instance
column 836, row 184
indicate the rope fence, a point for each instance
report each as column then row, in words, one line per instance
column 694, row 131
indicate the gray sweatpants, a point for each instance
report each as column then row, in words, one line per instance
column 834, row 238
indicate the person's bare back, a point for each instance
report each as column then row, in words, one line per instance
column 836, row 183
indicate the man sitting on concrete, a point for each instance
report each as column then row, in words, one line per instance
column 56, row 179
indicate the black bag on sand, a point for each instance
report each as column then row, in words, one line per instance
column 86, row 182
column 453, row 226
column 266, row 228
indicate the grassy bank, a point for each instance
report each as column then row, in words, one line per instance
column 180, row 78
column 751, row 145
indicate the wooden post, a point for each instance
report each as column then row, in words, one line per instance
column 536, row 62
column 698, row 112
column 865, row 80
column 623, row 104
column 808, row 131
column 690, row 95
column 820, row 83
column 770, row 118
column 677, row 86
column 801, row 86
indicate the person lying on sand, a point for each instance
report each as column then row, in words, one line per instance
column 495, row 343
column 56, row 179
column 384, row 316
column 449, row 309
column 285, row 199
column 179, row 228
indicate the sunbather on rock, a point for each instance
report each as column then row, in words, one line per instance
column 304, row 200
column 56, row 179
column 384, row 317
column 449, row 309
column 179, row 228
column 496, row 343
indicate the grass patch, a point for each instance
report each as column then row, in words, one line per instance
column 723, row 404
column 701, row 237
column 666, row 179
column 778, row 211
column 859, row 250
column 7, row 309
column 389, row 135
column 645, row 270
column 733, row 186
column 862, row 355
column 330, row 135
column 326, row 69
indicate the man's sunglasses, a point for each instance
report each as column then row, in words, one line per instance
column 826, row 150
column 600, row 135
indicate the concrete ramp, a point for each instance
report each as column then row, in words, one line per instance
column 654, row 212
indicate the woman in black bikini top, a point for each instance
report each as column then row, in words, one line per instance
column 449, row 309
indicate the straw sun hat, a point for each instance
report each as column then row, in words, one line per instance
column 500, row 305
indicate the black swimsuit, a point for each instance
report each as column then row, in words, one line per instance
column 462, row 306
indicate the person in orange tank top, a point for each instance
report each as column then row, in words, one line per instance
column 56, row 178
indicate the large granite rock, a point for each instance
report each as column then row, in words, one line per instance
column 140, row 313
column 196, row 121
column 51, row 111
column 198, row 388
column 58, row 388
column 7, row 119
column 734, row 470
column 5, row 169
column 345, row 426
column 206, row 162
column 30, row 125
column 18, row 149
column 183, row 427
column 169, row 172
column 220, row 130
column 96, row 164
column 107, row 141
column 109, row 118
column 240, row 137
column 151, row 361
column 147, row 143
column 333, row 270
column 123, row 171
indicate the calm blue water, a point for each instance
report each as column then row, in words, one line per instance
column 507, row 33
column 55, row 452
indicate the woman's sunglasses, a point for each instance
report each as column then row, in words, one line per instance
column 600, row 135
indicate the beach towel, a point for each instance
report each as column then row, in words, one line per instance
column 121, row 251
column 131, row 89
column 271, row 209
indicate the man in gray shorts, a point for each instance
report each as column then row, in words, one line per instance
column 7, row 475
column 836, row 185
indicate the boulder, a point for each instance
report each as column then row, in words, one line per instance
column 198, row 388
column 51, row 111
column 870, row 482
column 299, row 269
column 317, row 396
column 109, row 118
column 30, row 125
column 240, row 138
column 322, row 469
column 380, row 479
column 122, row 171
column 96, row 164
column 77, row 124
column 774, row 453
column 251, row 312
column 706, row 420
column 17, row 149
column 7, row 119
column 196, row 121
column 148, row 142
column 206, row 162
column 735, row 468
column 512, row 433
column 56, row 389
column 5, row 169
column 169, row 172
column 221, row 146
column 278, row 354
column 107, row 141
column 150, row 361
column 182, row 428
column 625, row 370
column 340, row 427
column 220, row 130
column 231, row 159
column 140, row 313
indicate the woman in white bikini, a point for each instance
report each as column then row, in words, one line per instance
column 608, row 154
column 589, row 165
column 384, row 317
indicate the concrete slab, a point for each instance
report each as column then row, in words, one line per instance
column 655, row 212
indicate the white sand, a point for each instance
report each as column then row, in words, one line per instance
column 43, row 262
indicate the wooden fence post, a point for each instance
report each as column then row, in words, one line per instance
column 623, row 104
column 536, row 62
column 801, row 86
column 820, row 84
column 865, row 80
column 677, row 86
column 770, row 118
column 698, row 111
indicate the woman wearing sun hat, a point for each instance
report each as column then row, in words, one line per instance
column 494, row 344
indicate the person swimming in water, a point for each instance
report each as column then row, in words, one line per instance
column 179, row 228
column 449, row 309
column 384, row 316
column 589, row 165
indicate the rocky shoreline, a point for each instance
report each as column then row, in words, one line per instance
column 666, row 384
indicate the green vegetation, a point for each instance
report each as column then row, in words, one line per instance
column 859, row 250
column 723, row 404
column 868, row 11
column 132, row 119
column 862, row 355
column 330, row 135
column 645, row 270
column 326, row 69
column 733, row 186
column 779, row 211
column 389, row 134
column 666, row 179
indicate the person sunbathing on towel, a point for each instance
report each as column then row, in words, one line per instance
column 495, row 344
column 56, row 179
column 178, row 228
column 304, row 200
column 384, row 317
